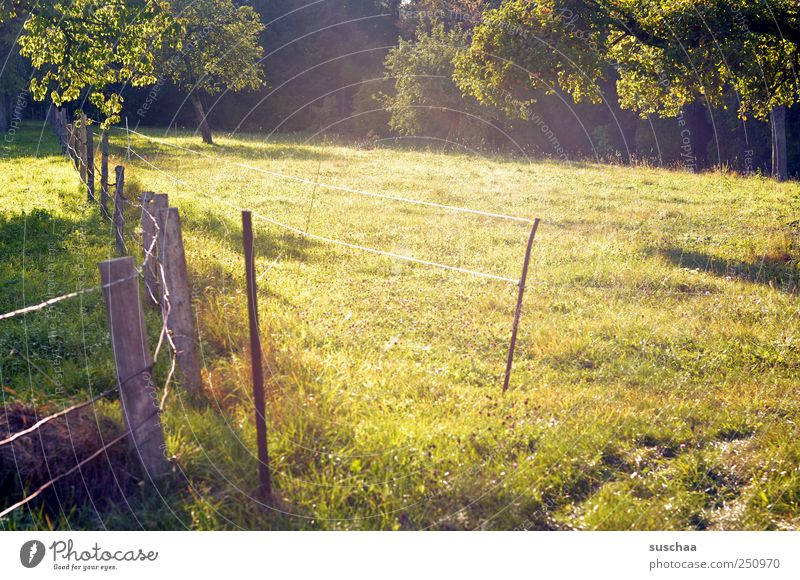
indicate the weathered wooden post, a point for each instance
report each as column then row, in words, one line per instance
column 89, row 163
column 128, row 148
column 134, row 364
column 119, row 204
column 55, row 118
column 176, row 299
column 256, row 354
column 62, row 121
column 104, row 174
column 72, row 146
column 82, row 147
column 152, row 204
column 522, row 279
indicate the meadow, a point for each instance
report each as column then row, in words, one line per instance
column 657, row 372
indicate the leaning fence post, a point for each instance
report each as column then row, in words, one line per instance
column 255, row 353
column 119, row 203
column 104, row 174
column 176, row 299
column 134, row 363
column 518, row 311
column 152, row 204
column 89, row 164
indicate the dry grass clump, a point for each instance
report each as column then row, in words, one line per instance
column 59, row 445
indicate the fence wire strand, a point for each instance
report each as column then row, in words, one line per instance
column 330, row 240
column 342, row 187
column 45, row 420
column 72, row 470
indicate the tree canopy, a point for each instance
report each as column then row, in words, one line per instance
column 89, row 47
column 664, row 55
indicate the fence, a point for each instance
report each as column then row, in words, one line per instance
column 166, row 285
column 165, row 272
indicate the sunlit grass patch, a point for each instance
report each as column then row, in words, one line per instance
column 656, row 378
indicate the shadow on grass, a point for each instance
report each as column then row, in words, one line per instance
column 777, row 270
column 248, row 147
column 268, row 242
column 30, row 140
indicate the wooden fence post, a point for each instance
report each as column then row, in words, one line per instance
column 255, row 353
column 62, row 121
column 55, row 118
column 89, row 164
column 104, row 174
column 72, row 146
column 134, row 363
column 82, row 148
column 119, row 204
column 176, row 299
column 152, row 205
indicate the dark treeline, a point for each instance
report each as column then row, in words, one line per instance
column 381, row 68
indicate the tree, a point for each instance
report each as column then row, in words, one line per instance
column 665, row 55
column 218, row 49
column 87, row 48
column 426, row 99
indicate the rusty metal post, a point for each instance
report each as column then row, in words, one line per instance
column 256, row 354
column 518, row 311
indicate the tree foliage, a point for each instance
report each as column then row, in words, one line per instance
column 217, row 47
column 426, row 99
column 90, row 47
column 665, row 54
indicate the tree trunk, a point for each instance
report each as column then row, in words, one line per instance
column 202, row 122
column 778, row 123
column 3, row 113
column 702, row 132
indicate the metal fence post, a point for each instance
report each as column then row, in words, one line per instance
column 256, row 354
column 518, row 312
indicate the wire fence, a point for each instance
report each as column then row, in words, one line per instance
column 77, row 145
column 166, row 338
column 164, row 335
column 335, row 187
column 66, row 136
column 309, row 235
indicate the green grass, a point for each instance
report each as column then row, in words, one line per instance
column 657, row 370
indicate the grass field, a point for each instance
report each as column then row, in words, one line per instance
column 658, row 367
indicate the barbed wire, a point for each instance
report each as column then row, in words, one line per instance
column 149, row 255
